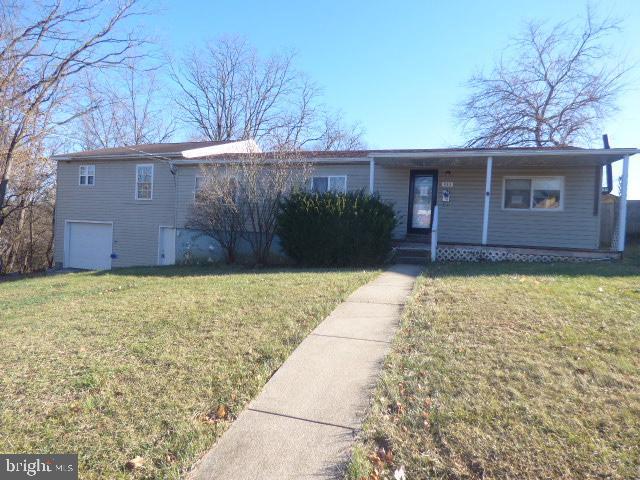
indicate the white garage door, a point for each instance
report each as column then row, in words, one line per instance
column 89, row 245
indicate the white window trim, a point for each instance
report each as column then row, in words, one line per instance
column 136, row 182
column 328, row 177
column 532, row 178
column 80, row 176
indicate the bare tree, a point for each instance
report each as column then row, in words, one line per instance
column 122, row 107
column 335, row 135
column 552, row 87
column 228, row 92
column 265, row 180
column 240, row 198
column 43, row 47
column 216, row 211
column 26, row 240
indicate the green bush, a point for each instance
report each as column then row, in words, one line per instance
column 336, row 229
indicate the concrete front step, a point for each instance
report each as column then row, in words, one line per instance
column 412, row 252
column 417, row 237
column 411, row 260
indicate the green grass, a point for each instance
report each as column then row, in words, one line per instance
column 137, row 362
column 512, row 371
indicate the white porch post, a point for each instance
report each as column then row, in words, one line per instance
column 622, row 212
column 487, row 201
column 372, row 175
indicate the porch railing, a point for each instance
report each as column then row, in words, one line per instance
column 434, row 234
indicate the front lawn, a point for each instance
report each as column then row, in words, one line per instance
column 512, row 371
column 151, row 363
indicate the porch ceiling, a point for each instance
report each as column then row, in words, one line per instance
column 501, row 158
column 480, row 162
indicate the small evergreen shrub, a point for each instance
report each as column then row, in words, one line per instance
column 336, row 229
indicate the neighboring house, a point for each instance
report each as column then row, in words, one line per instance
column 129, row 206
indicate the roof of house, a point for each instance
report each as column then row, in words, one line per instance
column 143, row 149
column 406, row 151
column 230, row 150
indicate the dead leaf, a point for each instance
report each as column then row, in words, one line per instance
column 388, row 456
column 396, row 408
column 135, row 463
column 171, row 457
column 375, row 460
column 221, row 412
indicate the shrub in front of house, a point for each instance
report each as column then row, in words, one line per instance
column 336, row 229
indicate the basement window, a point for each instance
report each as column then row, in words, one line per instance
column 87, row 175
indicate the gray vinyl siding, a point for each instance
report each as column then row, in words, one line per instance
column 136, row 222
column 357, row 179
column 575, row 226
column 392, row 184
column 112, row 199
column 357, row 175
column 186, row 179
column 461, row 218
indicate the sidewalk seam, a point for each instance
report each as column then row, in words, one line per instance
column 309, row 420
column 373, row 303
column 350, row 338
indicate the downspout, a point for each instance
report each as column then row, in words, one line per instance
column 173, row 169
column 609, row 168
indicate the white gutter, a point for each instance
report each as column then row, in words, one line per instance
column 616, row 153
column 124, row 156
column 300, row 160
column 597, row 152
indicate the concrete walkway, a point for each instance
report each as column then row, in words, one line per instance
column 304, row 421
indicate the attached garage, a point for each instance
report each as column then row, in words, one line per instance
column 88, row 245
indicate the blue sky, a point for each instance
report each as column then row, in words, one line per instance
column 397, row 67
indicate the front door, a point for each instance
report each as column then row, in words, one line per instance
column 422, row 198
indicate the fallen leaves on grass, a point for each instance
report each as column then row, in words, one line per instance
column 135, row 463
column 221, row 412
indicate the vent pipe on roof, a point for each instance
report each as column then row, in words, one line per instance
column 609, row 187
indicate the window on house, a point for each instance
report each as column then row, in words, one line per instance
column 144, row 182
column 534, row 193
column 230, row 188
column 87, row 174
column 332, row 183
column 199, row 184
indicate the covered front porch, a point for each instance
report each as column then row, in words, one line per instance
column 499, row 204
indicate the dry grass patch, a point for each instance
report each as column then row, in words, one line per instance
column 514, row 371
column 151, row 363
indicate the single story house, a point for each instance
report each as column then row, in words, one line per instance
column 128, row 206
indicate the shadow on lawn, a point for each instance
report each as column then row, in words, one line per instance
column 218, row 270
